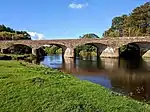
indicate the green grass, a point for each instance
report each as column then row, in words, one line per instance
column 32, row 88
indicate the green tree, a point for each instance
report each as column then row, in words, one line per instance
column 3, row 28
column 53, row 49
column 136, row 24
column 90, row 35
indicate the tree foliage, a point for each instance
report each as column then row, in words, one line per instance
column 137, row 23
column 7, row 33
column 90, row 35
column 53, row 49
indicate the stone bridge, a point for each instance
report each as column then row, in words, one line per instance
column 106, row 47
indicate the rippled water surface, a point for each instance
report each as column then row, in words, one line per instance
column 127, row 77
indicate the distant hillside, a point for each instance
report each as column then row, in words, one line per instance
column 7, row 33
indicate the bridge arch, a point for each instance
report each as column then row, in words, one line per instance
column 94, row 42
column 104, row 49
column 63, row 47
column 59, row 45
column 129, row 51
column 139, row 48
column 99, row 47
column 17, row 49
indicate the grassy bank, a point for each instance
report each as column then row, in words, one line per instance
column 31, row 88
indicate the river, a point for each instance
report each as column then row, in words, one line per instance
column 130, row 78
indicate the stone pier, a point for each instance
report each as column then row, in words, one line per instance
column 146, row 54
column 69, row 53
column 110, row 52
column 34, row 51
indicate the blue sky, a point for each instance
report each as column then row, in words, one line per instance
column 60, row 19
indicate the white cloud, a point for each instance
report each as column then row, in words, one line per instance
column 78, row 6
column 36, row 36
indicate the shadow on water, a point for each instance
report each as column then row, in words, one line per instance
column 129, row 77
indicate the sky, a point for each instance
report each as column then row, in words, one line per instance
column 63, row 19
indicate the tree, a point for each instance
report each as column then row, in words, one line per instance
column 136, row 24
column 141, row 18
column 3, row 28
column 90, row 35
column 118, row 25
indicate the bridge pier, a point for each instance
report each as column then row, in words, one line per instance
column 34, row 51
column 100, row 49
column 69, row 53
column 146, row 54
column 110, row 52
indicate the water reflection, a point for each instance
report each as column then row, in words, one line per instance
column 54, row 61
column 127, row 77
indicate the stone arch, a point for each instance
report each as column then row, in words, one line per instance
column 143, row 46
column 129, row 51
column 19, row 48
column 144, row 49
column 95, row 43
column 39, row 48
column 99, row 46
column 56, row 44
column 103, row 50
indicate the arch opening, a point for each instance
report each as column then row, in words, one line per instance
column 144, row 49
column 18, row 49
column 89, row 50
column 51, row 49
column 130, row 51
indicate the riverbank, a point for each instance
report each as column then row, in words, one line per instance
column 26, row 57
column 27, row 87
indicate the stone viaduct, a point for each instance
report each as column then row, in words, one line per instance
column 106, row 47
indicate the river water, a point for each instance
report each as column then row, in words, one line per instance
column 130, row 78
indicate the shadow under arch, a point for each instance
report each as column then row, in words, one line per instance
column 144, row 48
column 130, row 51
column 18, row 49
